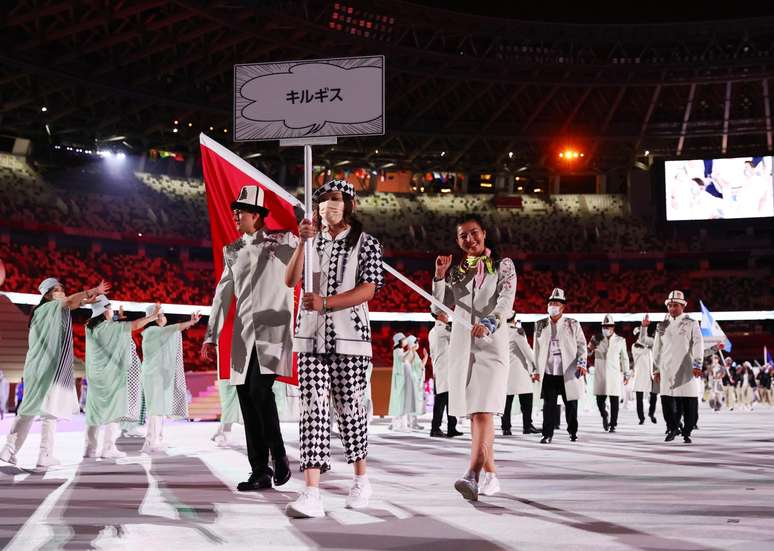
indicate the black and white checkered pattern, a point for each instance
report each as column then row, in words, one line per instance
column 334, row 185
column 369, row 262
column 343, row 379
column 333, row 253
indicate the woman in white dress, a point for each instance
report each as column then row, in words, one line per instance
column 483, row 288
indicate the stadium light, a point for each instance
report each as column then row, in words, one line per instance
column 121, row 156
column 43, row 109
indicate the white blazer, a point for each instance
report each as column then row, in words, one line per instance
column 677, row 350
column 572, row 343
column 611, row 365
column 522, row 362
column 254, row 273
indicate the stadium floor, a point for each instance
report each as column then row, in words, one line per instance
column 628, row 490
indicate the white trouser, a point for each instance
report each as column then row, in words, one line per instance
column 223, row 428
column 111, row 433
column 154, row 431
column 21, row 429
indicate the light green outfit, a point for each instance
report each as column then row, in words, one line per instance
column 405, row 398
column 163, row 375
column 230, row 411
column 113, row 372
column 49, row 381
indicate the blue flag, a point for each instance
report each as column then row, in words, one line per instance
column 711, row 331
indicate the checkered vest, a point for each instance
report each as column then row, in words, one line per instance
column 351, row 326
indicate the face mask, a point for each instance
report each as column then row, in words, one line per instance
column 331, row 212
column 553, row 311
column 608, row 332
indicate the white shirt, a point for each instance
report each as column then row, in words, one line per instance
column 554, row 366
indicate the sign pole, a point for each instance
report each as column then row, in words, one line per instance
column 308, row 250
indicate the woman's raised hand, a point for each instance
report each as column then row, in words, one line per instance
column 442, row 264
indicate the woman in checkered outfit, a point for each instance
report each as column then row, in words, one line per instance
column 333, row 342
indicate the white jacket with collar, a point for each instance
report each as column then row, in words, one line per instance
column 677, row 350
column 254, row 273
column 572, row 343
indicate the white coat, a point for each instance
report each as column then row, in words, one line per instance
column 572, row 343
column 643, row 362
column 254, row 272
column 478, row 366
column 677, row 350
column 522, row 362
column 439, row 338
column 611, row 366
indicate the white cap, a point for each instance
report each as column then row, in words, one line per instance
column 411, row 339
column 608, row 320
column 149, row 310
column 397, row 337
column 99, row 307
column 557, row 294
column 676, row 296
column 47, row 284
column 251, row 199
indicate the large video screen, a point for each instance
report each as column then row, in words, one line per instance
column 716, row 189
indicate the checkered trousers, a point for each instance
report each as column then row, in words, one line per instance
column 342, row 379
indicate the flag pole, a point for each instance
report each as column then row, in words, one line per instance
column 308, row 250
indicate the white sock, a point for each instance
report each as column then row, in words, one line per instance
column 313, row 491
column 361, row 479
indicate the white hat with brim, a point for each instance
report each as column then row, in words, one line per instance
column 47, row 284
column 676, row 296
column 557, row 295
column 607, row 321
column 99, row 307
column 397, row 337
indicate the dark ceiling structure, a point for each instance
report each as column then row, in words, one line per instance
column 464, row 92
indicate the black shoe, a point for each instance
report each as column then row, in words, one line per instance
column 605, row 424
column 687, row 439
column 558, row 427
column 653, row 418
column 507, row 432
column 281, row 471
column 642, row 421
column 255, row 482
column 573, row 437
column 453, row 433
column 546, row 440
column 612, row 429
column 670, row 436
column 437, row 433
column 532, row 429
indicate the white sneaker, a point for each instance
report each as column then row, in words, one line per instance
column 133, row 432
column 308, row 505
column 220, row 440
column 489, row 486
column 112, row 453
column 468, row 488
column 8, row 455
column 47, row 461
column 359, row 494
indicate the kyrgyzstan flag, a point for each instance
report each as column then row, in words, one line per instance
column 224, row 175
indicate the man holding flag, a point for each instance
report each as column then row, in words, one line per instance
column 253, row 269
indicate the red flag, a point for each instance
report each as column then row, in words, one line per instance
column 224, row 175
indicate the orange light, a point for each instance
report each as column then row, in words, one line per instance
column 561, row 155
column 575, row 154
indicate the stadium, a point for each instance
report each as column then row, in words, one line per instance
column 616, row 158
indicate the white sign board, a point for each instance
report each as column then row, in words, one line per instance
column 309, row 99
